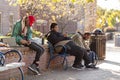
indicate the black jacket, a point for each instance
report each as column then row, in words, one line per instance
column 55, row 37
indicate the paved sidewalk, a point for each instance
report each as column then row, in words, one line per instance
column 109, row 69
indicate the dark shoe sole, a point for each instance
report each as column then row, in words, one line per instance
column 79, row 69
column 92, row 67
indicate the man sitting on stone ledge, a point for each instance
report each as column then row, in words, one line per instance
column 22, row 32
column 83, row 40
column 57, row 38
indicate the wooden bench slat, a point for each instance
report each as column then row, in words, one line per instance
column 11, row 66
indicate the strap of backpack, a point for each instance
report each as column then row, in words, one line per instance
column 80, row 34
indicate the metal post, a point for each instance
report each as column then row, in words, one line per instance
column 43, row 37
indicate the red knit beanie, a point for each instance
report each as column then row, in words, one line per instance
column 32, row 20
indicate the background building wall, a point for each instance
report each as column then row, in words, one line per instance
column 8, row 15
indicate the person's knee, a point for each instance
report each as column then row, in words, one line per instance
column 41, row 50
column 81, row 53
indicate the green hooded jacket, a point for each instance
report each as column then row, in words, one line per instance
column 17, row 30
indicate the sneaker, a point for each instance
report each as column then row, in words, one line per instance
column 92, row 66
column 77, row 67
column 81, row 65
column 33, row 68
column 38, row 70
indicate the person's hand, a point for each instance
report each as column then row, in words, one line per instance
column 24, row 42
column 65, row 34
column 41, row 35
column 4, row 45
column 29, row 42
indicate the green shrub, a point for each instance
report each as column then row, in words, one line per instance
column 36, row 33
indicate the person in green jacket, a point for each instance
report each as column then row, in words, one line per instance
column 22, row 32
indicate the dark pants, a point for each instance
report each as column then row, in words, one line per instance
column 78, row 52
column 39, row 50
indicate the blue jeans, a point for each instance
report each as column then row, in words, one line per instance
column 92, row 56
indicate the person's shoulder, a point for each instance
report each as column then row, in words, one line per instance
column 52, row 32
column 48, row 34
column 75, row 35
column 17, row 23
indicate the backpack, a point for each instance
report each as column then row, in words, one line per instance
column 93, row 57
column 2, row 59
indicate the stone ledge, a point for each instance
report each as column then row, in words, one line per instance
column 28, row 57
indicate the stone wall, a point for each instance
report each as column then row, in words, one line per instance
column 6, row 11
